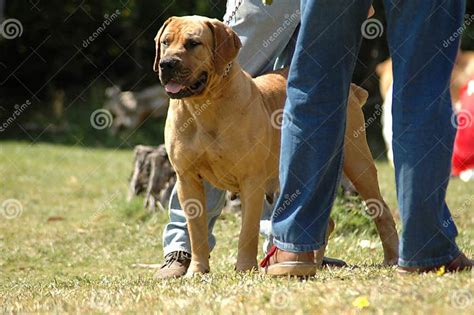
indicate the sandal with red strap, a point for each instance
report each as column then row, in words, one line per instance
column 301, row 265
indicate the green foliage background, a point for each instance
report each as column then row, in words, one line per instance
column 60, row 27
column 50, row 56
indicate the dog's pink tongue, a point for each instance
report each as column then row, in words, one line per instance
column 173, row 87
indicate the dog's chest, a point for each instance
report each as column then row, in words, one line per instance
column 217, row 160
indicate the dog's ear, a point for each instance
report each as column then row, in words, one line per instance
column 226, row 44
column 156, row 64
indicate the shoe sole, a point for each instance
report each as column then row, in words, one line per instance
column 291, row 268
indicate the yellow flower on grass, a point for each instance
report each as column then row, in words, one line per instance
column 361, row 302
column 441, row 271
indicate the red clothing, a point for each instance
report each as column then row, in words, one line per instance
column 463, row 155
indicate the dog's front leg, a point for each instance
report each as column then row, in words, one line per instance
column 192, row 199
column 252, row 195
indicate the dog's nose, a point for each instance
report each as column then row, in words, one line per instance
column 168, row 64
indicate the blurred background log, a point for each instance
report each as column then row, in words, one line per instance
column 130, row 109
column 153, row 176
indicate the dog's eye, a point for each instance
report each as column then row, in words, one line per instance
column 192, row 43
column 165, row 42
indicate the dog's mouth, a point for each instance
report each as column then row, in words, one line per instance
column 181, row 90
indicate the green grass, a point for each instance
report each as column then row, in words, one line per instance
column 81, row 259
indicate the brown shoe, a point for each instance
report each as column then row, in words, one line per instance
column 176, row 264
column 460, row 263
column 282, row 263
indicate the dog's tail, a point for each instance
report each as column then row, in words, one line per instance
column 359, row 93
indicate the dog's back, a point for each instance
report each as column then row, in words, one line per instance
column 272, row 85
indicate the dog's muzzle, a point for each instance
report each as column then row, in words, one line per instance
column 177, row 87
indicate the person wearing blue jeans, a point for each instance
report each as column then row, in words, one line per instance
column 312, row 141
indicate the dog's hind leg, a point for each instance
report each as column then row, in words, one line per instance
column 251, row 195
column 360, row 168
column 192, row 199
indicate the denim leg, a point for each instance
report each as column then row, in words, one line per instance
column 176, row 235
column 314, row 120
column 423, row 135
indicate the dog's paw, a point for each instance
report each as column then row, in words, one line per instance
column 390, row 261
column 244, row 266
column 197, row 267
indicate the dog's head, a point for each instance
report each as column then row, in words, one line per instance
column 192, row 51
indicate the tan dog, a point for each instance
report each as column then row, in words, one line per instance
column 219, row 128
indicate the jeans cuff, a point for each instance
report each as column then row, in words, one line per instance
column 175, row 248
column 430, row 262
column 296, row 248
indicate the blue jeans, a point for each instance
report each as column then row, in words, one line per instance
column 262, row 50
column 313, row 137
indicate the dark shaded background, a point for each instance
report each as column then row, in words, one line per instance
column 49, row 59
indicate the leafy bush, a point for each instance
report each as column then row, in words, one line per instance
column 54, row 50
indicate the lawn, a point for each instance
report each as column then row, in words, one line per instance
column 72, row 245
